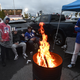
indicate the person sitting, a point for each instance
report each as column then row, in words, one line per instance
column 17, row 43
column 31, row 39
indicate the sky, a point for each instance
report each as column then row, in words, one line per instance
column 34, row 6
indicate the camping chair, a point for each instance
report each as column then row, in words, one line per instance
column 70, row 44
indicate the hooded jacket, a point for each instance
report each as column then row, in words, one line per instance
column 1, row 20
column 5, row 34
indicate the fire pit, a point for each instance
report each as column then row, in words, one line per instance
column 46, row 65
column 43, row 73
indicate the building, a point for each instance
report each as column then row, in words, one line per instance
column 15, row 17
column 11, row 11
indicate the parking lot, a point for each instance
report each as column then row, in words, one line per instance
column 19, row 70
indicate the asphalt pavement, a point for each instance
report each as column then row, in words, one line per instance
column 19, row 70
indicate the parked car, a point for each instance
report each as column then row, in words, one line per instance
column 74, row 18
column 66, row 28
column 20, row 25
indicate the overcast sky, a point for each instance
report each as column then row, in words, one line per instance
column 47, row 6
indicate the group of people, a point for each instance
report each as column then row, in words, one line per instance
column 11, row 39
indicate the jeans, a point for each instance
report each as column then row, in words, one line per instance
column 31, row 43
column 22, row 44
column 75, row 53
column 4, row 53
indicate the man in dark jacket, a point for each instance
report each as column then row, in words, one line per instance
column 17, row 43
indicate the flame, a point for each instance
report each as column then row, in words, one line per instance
column 43, row 57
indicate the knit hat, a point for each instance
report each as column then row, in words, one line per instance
column 14, row 29
column 29, row 27
column 8, row 19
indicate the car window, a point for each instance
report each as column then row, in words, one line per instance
column 74, row 18
column 18, row 24
column 44, row 18
column 37, row 19
column 54, row 18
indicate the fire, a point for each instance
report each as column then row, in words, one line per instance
column 43, row 57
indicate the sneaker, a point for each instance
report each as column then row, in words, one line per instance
column 28, row 61
column 71, row 65
column 24, row 54
column 31, row 53
column 16, row 57
column 24, row 57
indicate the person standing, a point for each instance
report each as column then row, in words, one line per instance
column 77, row 45
column 5, row 39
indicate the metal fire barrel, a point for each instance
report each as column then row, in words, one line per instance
column 43, row 73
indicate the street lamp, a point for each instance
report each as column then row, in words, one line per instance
column 14, row 7
column 26, row 9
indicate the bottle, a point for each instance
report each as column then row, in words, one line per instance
column 26, row 38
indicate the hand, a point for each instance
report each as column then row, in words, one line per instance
column 1, row 40
column 76, row 26
column 33, row 31
column 33, row 39
column 16, row 43
column 22, row 34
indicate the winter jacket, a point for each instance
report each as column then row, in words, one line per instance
column 1, row 20
column 29, row 35
column 16, row 38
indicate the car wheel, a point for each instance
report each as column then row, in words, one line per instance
column 59, row 40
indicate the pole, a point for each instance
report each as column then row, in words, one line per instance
column 57, row 30
column 14, row 7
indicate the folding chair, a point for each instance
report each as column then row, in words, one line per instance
column 70, row 42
